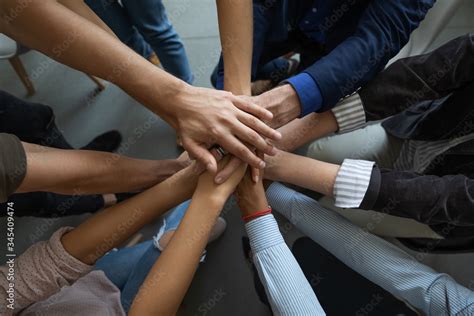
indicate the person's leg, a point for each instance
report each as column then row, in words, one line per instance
column 114, row 15
column 140, row 270
column 35, row 123
column 370, row 143
column 119, row 263
column 52, row 205
column 167, row 229
column 149, row 17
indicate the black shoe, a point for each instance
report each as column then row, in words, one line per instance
column 108, row 142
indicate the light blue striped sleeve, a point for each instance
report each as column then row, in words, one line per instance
column 288, row 291
column 379, row 261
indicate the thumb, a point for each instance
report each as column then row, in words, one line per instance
column 200, row 153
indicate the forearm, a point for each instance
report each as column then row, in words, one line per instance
column 67, row 37
column 83, row 10
column 110, row 228
column 236, row 33
column 309, row 128
column 383, row 29
column 170, row 277
column 83, row 172
column 304, row 172
column 374, row 258
column 425, row 198
column 279, row 270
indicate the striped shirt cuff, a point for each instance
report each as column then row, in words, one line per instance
column 263, row 233
column 350, row 114
column 352, row 182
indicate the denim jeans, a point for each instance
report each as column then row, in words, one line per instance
column 128, row 268
column 144, row 26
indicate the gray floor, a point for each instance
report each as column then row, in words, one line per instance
column 223, row 285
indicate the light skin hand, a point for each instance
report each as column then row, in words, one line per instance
column 283, row 102
column 218, row 117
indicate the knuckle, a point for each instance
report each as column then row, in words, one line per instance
column 243, row 152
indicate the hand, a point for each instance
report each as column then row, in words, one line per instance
column 206, row 117
column 220, row 192
column 250, row 195
column 283, row 102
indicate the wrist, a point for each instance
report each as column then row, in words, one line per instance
column 283, row 102
column 253, row 204
column 179, row 95
column 213, row 201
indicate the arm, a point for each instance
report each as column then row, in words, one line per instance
column 302, row 171
column 70, row 254
column 236, row 33
column 90, row 172
column 110, row 228
column 376, row 259
column 167, row 283
column 415, row 79
column 277, row 268
column 426, row 198
column 359, row 184
column 405, row 83
column 384, row 28
column 203, row 117
column 86, row 12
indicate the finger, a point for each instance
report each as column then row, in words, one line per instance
column 259, row 126
column 235, row 147
column 257, row 174
column 228, row 170
column 201, row 153
column 248, row 106
column 253, row 139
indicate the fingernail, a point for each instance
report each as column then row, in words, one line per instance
column 273, row 151
column 278, row 135
column 255, row 179
column 209, row 166
column 262, row 164
column 218, row 180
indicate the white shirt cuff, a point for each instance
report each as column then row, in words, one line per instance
column 263, row 233
column 352, row 182
column 350, row 114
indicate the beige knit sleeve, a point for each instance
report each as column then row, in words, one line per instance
column 38, row 273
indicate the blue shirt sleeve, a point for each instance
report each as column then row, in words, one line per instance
column 308, row 92
column 383, row 29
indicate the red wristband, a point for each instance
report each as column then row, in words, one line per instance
column 255, row 215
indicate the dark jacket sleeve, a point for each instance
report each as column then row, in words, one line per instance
column 425, row 198
column 412, row 80
column 12, row 165
column 384, row 28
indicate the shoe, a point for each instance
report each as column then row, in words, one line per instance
column 154, row 60
column 108, row 142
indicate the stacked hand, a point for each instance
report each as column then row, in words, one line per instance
column 251, row 195
column 219, row 117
